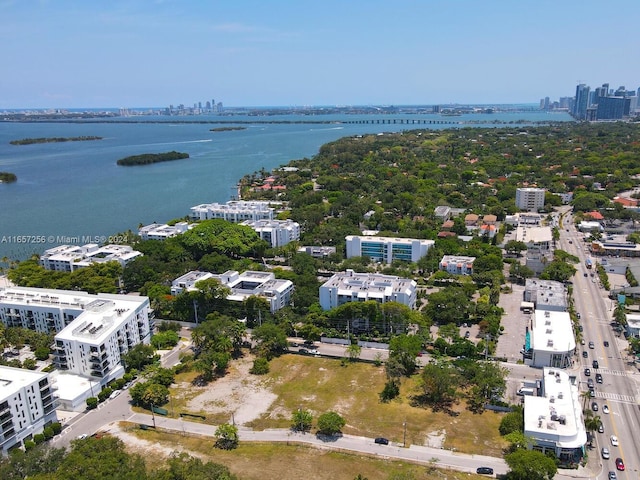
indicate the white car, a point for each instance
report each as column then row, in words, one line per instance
column 605, row 408
column 614, row 440
column 82, row 437
column 605, row 453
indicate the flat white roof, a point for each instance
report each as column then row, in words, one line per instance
column 556, row 416
column 101, row 313
column 70, row 386
column 534, row 234
column 13, row 379
column 552, row 332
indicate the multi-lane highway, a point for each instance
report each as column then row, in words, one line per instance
column 619, row 387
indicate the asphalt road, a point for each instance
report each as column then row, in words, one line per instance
column 619, row 390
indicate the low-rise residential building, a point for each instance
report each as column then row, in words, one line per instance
column 27, row 406
column 549, row 339
column 471, row 220
column 442, row 212
column 524, row 219
column 156, row 231
column 387, row 249
column 546, row 294
column 69, row 258
column 457, row 264
column 554, row 420
column 235, row 211
column 590, row 227
column 92, row 331
column 349, row 286
column 187, row 282
column 242, row 285
column 317, row 251
column 276, row 233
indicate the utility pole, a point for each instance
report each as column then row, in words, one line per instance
column 404, row 437
column 153, row 416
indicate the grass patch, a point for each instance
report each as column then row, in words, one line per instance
column 274, row 461
column 321, row 384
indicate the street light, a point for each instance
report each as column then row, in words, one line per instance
column 404, row 437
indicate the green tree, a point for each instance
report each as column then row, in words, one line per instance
column 330, row 423
column 182, row 466
column 42, row 460
column 558, row 270
column 438, row 383
column 271, row 339
column 227, row 437
column 139, row 356
column 449, row 305
column 100, row 459
column 260, row 366
column 353, row 350
column 530, row 465
column 405, row 349
column 92, row 402
column 301, row 420
column 512, row 422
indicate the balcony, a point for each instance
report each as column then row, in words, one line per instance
column 97, row 373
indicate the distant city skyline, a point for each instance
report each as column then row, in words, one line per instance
column 136, row 53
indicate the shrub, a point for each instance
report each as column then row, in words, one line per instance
column 104, row 394
column 29, row 445
column 92, row 402
column 56, row 427
column 260, row 366
column 39, row 438
column 48, row 433
column 391, row 390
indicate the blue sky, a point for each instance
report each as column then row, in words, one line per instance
column 135, row 53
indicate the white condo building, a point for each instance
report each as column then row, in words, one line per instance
column 554, row 420
column 350, row 286
column 27, row 406
column 387, row 249
column 275, row 232
column 156, row 231
column 93, row 331
column 530, row 199
column 457, row 264
column 68, row 258
column 242, row 285
column 235, row 211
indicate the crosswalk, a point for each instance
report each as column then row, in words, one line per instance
column 618, row 397
column 605, row 371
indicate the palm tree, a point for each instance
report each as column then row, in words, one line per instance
column 592, row 422
column 586, row 395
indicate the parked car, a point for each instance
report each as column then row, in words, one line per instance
column 605, row 408
column 467, row 334
column 592, row 392
column 605, row 453
column 82, row 437
column 381, row 441
column 590, row 383
column 580, row 327
column 613, row 476
column 587, row 372
column 484, row 471
column 598, row 377
column 595, row 364
column 601, row 428
column 592, row 345
column 585, row 354
column 619, row 464
column 614, row 440
column 578, row 315
column 594, row 406
column 114, row 394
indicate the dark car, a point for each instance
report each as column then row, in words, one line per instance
column 585, row 354
column 619, row 464
column 595, row 364
column 309, row 343
column 594, row 406
column 484, row 471
column 590, row 383
column 381, row 441
column 598, row 377
column 606, row 343
column 613, row 476
column 581, row 328
column 587, row 372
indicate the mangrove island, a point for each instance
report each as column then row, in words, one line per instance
column 148, row 158
column 29, row 141
column 6, row 177
column 226, row 129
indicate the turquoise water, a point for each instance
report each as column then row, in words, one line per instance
column 75, row 189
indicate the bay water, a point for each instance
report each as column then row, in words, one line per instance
column 71, row 192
